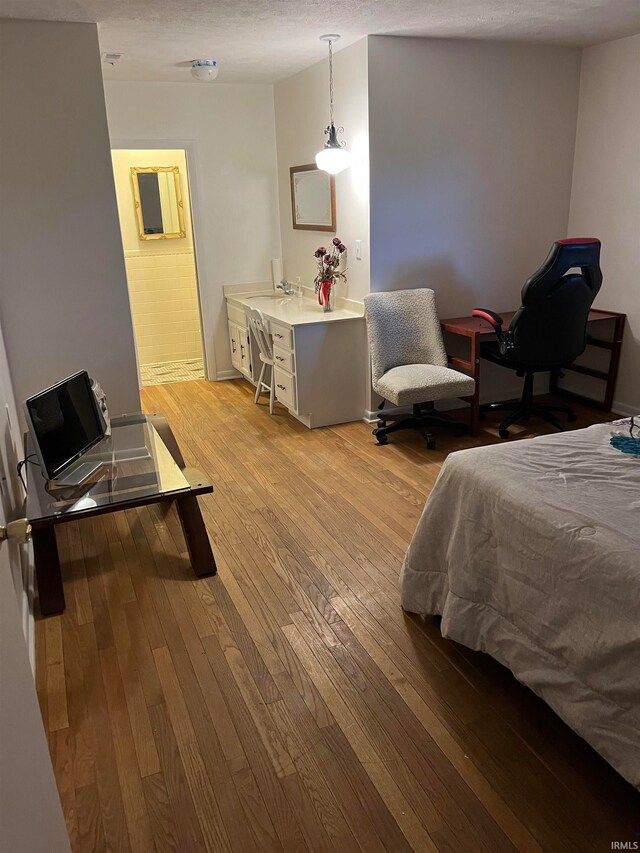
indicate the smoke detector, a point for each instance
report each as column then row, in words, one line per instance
column 112, row 58
column 205, row 70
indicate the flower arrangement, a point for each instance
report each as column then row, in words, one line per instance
column 329, row 272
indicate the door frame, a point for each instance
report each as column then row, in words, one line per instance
column 205, row 302
column 12, row 493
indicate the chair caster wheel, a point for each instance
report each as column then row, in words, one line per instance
column 572, row 417
column 381, row 438
column 380, row 422
column 431, row 444
column 503, row 433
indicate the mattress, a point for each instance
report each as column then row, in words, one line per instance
column 530, row 551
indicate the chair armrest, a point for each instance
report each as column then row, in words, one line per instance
column 491, row 317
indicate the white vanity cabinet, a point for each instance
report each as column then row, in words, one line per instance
column 320, row 360
column 240, row 341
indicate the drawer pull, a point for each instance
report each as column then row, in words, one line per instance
column 242, row 349
column 233, row 344
column 278, row 335
column 282, row 387
column 279, row 358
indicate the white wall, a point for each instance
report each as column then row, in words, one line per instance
column 471, row 159
column 302, row 113
column 605, row 198
column 63, row 291
column 229, row 134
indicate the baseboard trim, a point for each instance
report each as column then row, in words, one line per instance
column 624, row 408
column 370, row 416
column 221, row 375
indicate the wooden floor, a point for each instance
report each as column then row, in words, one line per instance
column 289, row 703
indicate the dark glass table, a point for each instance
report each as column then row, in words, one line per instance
column 140, row 463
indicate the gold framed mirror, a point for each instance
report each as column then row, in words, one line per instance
column 158, row 202
column 313, row 199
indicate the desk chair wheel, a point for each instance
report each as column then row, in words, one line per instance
column 381, row 423
column 431, row 444
column 503, row 433
column 381, row 438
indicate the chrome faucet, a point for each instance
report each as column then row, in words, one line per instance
column 286, row 287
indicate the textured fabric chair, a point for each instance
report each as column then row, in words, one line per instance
column 549, row 330
column 409, row 362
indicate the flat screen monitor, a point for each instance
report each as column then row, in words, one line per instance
column 64, row 422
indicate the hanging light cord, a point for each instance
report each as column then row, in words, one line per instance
column 331, row 81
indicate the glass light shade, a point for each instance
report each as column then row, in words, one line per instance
column 205, row 70
column 333, row 160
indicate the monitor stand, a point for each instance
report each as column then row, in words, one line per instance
column 75, row 475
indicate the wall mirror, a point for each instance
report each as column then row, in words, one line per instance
column 313, row 199
column 158, row 202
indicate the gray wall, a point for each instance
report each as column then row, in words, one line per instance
column 605, row 198
column 63, row 290
column 471, row 149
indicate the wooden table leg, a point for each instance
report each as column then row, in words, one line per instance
column 474, row 411
column 612, row 373
column 195, row 534
column 48, row 575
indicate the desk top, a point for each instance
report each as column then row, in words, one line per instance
column 136, row 468
column 469, row 326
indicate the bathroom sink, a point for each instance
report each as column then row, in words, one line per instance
column 270, row 296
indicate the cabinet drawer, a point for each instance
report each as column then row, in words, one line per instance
column 282, row 336
column 285, row 387
column 236, row 314
column 283, row 358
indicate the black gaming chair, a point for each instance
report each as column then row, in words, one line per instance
column 549, row 330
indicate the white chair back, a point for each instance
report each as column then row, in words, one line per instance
column 258, row 326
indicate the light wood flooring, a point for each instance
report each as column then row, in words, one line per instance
column 289, row 703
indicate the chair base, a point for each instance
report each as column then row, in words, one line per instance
column 526, row 408
column 423, row 418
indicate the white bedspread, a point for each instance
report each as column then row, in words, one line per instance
column 530, row 551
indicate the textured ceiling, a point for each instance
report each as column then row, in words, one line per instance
column 266, row 40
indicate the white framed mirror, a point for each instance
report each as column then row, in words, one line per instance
column 313, row 199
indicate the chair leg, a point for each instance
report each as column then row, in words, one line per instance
column 272, row 392
column 404, row 423
column 550, row 418
column 259, row 388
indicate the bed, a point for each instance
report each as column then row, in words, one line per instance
column 530, row 551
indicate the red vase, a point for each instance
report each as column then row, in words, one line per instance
column 324, row 295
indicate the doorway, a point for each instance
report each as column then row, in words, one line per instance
column 152, row 188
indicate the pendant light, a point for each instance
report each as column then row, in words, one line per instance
column 334, row 157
